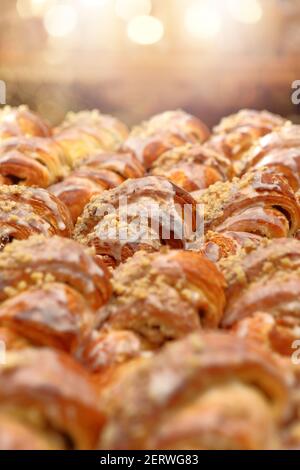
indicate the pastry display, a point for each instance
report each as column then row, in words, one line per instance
column 149, row 282
column 164, row 132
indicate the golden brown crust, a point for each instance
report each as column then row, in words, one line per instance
column 280, row 151
column 51, row 315
column 76, row 192
column 193, row 167
column 261, row 202
column 40, row 260
column 84, row 133
column 103, row 351
column 32, row 161
column 168, row 399
column 12, row 340
column 246, row 419
column 22, row 121
column 15, row 435
column 52, row 394
column 163, row 296
column 95, row 174
column 140, row 214
column 262, row 120
column 221, row 245
column 266, row 280
column 28, row 211
column 168, row 348
column 164, row 132
column 237, row 133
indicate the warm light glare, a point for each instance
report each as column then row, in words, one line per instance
column 24, row 8
column 128, row 9
column 203, row 20
column 38, row 6
column 60, row 20
column 29, row 8
column 93, row 3
column 246, row 11
column 145, row 30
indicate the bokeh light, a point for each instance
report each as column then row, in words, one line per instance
column 24, row 8
column 29, row 8
column 145, row 30
column 246, row 11
column 60, row 20
column 203, row 20
column 93, row 3
column 128, row 9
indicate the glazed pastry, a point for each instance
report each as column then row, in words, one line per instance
column 164, row 132
column 170, row 320
column 165, row 295
column 50, row 289
column 178, row 398
column 221, row 245
column 102, row 351
column 41, row 260
column 266, row 281
column 260, row 327
column 15, row 435
column 11, row 340
column 290, row 433
column 193, row 167
column 29, row 211
column 261, row 202
column 280, row 151
column 52, row 397
column 21, row 121
column 237, row 133
column 140, row 214
column 84, row 133
column 32, row 161
column 96, row 173
column 52, row 314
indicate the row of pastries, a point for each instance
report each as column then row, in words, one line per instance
column 149, row 342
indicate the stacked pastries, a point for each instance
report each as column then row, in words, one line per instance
column 130, row 328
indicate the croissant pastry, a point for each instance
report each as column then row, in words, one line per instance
column 52, row 314
column 96, row 173
column 221, row 245
column 32, row 161
column 102, row 352
column 14, row 435
column 290, row 435
column 165, row 295
column 238, row 132
column 21, row 121
column 46, row 394
column 41, row 260
column 167, row 317
column 280, row 151
column 164, row 132
column 266, row 281
column 139, row 214
column 28, row 211
column 177, row 398
column 193, row 167
column 12, row 340
column 261, row 202
column 87, row 132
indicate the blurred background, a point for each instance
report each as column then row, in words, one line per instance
column 133, row 58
